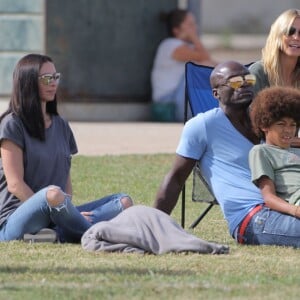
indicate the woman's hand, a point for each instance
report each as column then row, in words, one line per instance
column 86, row 215
column 188, row 35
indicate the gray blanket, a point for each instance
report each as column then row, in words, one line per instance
column 145, row 229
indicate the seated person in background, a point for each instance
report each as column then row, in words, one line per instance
column 182, row 45
column 220, row 139
column 275, row 166
column 280, row 62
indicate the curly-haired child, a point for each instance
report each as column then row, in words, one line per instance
column 274, row 164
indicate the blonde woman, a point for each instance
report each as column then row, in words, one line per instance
column 280, row 63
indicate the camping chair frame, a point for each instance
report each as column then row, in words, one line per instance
column 196, row 171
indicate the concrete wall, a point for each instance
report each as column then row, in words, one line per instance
column 242, row 16
column 104, row 48
column 21, row 32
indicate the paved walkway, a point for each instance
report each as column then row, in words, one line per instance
column 126, row 138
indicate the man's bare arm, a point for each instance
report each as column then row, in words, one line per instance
column 172, row 184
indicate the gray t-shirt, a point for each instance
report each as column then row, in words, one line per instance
column 45, row 162
column 282, row 166
column 262, row 80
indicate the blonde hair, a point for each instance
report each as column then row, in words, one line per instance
column 274, row 45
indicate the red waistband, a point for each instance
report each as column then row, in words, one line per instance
column 245, row 222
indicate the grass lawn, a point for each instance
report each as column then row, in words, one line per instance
column 65, row 271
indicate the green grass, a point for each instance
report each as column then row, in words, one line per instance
column 64, row 271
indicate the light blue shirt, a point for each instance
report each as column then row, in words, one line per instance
column 223, row 155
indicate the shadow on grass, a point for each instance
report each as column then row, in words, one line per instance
column 98, row 270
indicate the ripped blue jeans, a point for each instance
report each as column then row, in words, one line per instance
column 269, row 227
column 35, row 214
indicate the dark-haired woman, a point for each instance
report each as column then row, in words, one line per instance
column 182, row 45
column 36, row 147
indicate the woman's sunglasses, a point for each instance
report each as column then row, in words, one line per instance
column 47, row 79
column 292, row 31
column 237, row 81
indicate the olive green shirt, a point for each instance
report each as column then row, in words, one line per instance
column 262, row 80
column 282, row 166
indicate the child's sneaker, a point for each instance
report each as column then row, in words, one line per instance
column 45, row 235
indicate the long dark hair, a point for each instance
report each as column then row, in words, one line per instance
column 173, row 19
column 25, row 101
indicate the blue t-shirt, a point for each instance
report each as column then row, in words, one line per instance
column 222, row 152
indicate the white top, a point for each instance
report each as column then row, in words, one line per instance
column 167, row 72
column 282, row 166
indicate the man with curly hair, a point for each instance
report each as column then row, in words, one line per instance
column 275, row 165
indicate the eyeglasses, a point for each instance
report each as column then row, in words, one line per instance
column 292, row 31
column 47, row 79
column 237, row 81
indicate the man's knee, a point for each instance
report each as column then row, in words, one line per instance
column 55, row 196
column 126, row 202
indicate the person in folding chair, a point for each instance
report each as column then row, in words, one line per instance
column 220, row 139
column 182, row 45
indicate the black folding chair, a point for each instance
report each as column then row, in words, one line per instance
column 199, row 98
